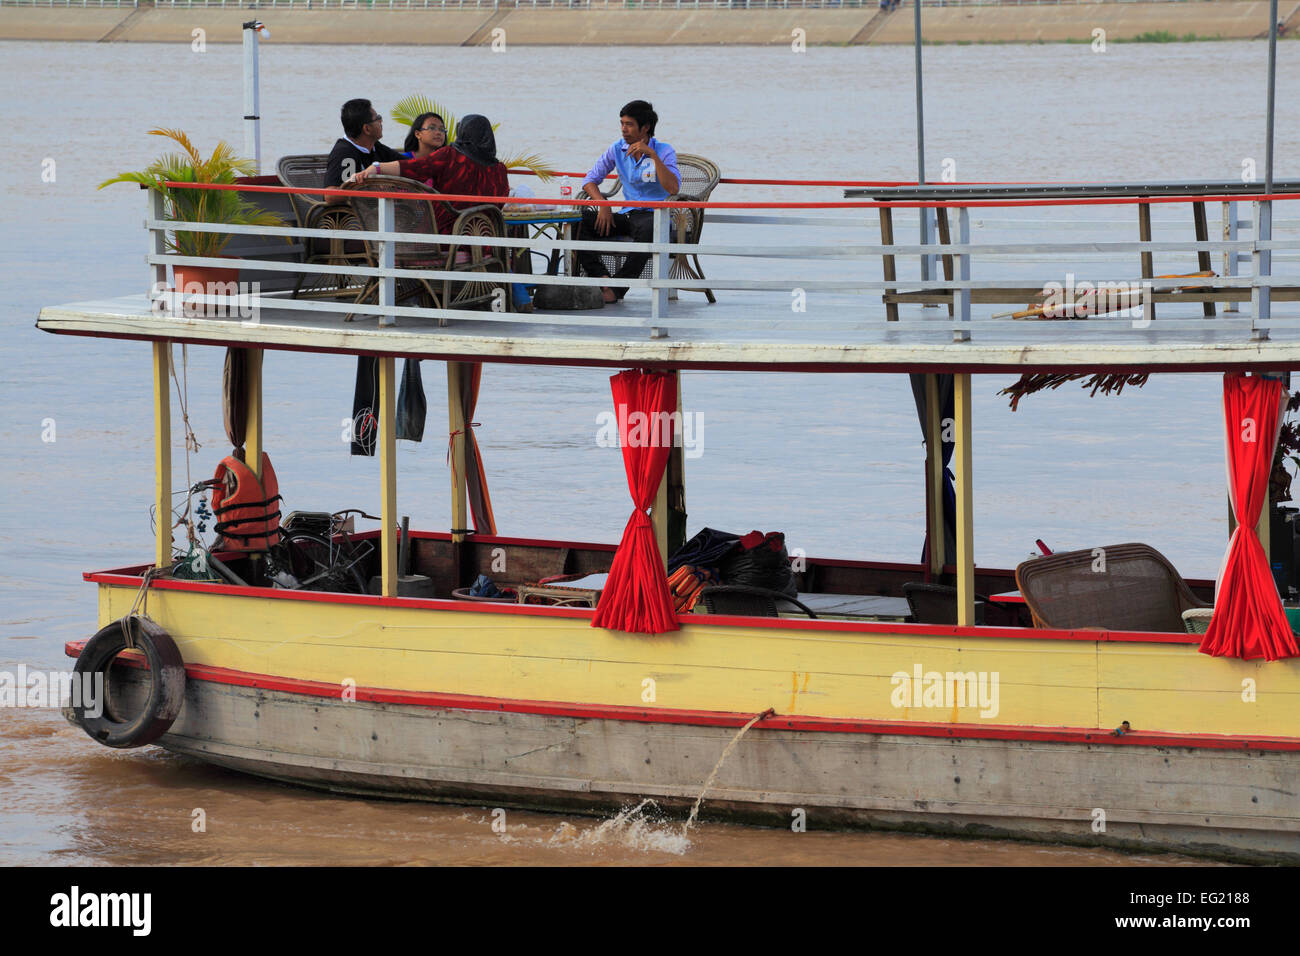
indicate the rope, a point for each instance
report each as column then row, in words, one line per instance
column 139, row 607
column 191, row 440
column 451, row 444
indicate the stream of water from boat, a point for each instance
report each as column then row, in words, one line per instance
column 834, row 461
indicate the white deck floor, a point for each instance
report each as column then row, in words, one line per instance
column 740, row 330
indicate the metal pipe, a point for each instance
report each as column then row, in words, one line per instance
column 1272, row 86
column 252, row 110
column 920, row 136
column 1263, row 295
column 404, row 548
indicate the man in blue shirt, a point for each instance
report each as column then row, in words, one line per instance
column 647, row 168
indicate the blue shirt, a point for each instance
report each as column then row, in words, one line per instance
column 638, row 176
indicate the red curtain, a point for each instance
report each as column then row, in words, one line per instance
column 476, row 489
column 635, row 597
column 1248, row 620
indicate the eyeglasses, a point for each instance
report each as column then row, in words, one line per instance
column 375, row 119
column 433, row 129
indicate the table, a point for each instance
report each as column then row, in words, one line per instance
column 872, row 607
column 583, row 591
column 559, row 224
column 1008, row 597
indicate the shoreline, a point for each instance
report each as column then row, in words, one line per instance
column 1155, row 22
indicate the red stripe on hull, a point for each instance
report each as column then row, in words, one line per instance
column 711, row 718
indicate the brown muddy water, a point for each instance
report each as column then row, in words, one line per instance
column 67, row 801
column 1145, row 467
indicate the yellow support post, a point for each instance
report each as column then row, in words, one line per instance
column 162, row 452
column 388, row 475
column 963, row 461
column 934, row 468
column 253, row 423
column 659, row 518
column 456, row 448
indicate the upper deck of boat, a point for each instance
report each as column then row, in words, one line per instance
column 796, row 289
column 738, row 331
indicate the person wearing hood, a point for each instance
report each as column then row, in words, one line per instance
column 468, row 167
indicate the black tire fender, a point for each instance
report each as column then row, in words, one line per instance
column 166, row 692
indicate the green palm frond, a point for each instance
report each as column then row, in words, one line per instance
column 534, row 163
column 405, row 112
column 199, row 205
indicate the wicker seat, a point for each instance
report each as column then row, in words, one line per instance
column 308, row 172
column 937, row 603
column 1123, row 587
column 745, row 600
column 1197, row 619
column 699, row 177
column 416, row 215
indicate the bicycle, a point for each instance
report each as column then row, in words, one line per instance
column 316, row 552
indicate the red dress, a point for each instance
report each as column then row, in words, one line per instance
column 450, row 171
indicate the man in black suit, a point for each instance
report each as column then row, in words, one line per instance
column 359, row 148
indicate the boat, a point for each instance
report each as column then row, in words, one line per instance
column 586, row 692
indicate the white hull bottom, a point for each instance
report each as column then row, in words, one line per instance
column 1228, row 804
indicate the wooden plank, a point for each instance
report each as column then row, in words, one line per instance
column 388, row 475
column 963, row 461
column 890, row 267
column 1204, row 261
column 1233, row 803
column 253, row 441
column 945, row 238
column 162, row 453
column 1148, row 261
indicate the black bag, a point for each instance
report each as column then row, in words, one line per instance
column 765, row 563
column 704, row 550
column 411, row 404
column 567, row 298
column 365, row 404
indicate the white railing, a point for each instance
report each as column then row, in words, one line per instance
column 833, row 268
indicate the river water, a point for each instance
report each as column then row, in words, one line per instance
column 835, row 461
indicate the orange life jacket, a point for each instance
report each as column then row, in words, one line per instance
column 247, row 511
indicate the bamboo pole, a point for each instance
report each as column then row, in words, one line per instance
column 388, row 476
column 162, row 452
column 456, row 450
column 253, row 420
column 965, row 502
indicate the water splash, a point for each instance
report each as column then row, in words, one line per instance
column 634, row 828
column 695, row 810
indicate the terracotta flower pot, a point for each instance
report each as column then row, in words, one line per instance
column 207, row 280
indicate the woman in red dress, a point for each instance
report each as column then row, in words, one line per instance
column 468, row 167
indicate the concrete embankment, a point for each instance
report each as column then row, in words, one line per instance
column 1204, row 19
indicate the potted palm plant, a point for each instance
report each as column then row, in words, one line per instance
column 200, row 205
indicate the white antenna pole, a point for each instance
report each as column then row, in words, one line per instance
column 252, row 102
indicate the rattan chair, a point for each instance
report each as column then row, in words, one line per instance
column 409, row 215
column 937, row 603
column 699, row 177
column 745, row 600
column 1197, row 619
column 416, row 215
column 1122, row 587
column 308, row 172
column 484, row 221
